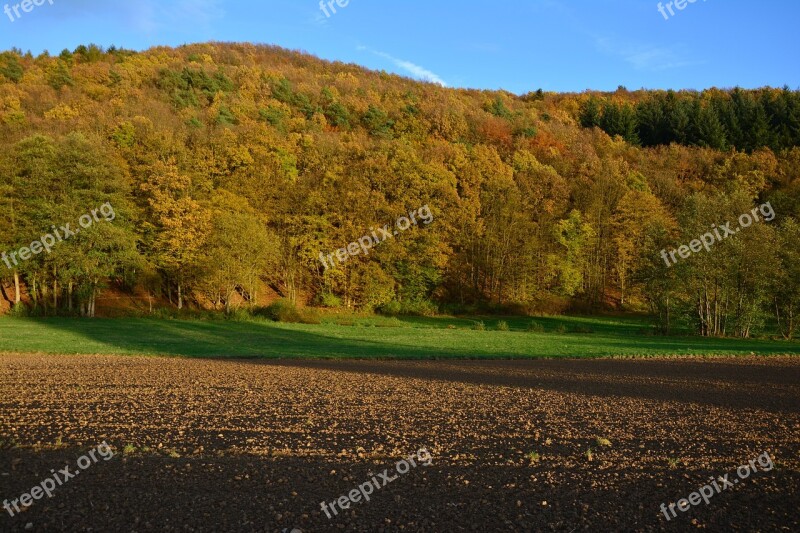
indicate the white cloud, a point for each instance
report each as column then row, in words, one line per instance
column 414, row 69
column 318, row 19
column 647, row 57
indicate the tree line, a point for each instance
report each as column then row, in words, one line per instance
column 722, row 120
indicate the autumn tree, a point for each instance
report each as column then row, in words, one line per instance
column 177, row 227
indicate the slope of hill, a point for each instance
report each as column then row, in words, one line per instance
column 233, row 170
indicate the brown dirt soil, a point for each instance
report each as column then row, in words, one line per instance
column 233, row 445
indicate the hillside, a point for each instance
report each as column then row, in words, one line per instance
column 221, row 175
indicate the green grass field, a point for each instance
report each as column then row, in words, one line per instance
column 365, row 337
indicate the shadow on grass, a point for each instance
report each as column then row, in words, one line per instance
column 223, row 339
column 270, row 340
column 601, row 325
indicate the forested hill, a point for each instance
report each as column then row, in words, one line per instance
column 232, row 167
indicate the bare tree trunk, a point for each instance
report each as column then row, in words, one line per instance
column 778, row 318
column 17, row 297
column 703, row 320
column 55, row 289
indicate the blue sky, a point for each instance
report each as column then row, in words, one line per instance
column 517, row 45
